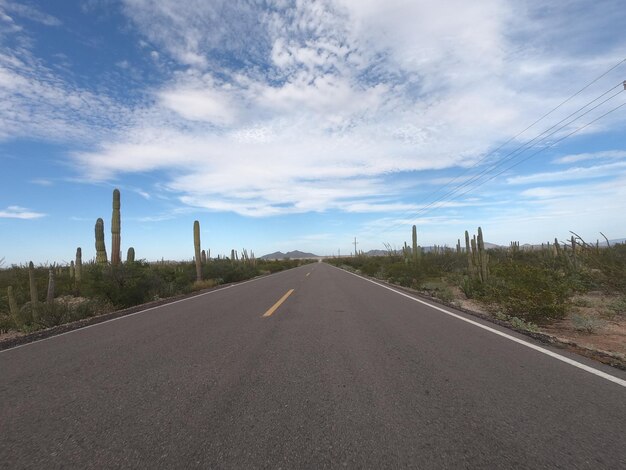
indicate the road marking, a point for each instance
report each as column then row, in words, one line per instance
column 547, row 352
column 308, row 274
column 277, row 304
column 219, row 289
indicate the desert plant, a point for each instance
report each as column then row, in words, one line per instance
column 34, row 298
column 51, row 286
column 586, row 324
column 130, row 255
column 116, row 229
column 196, row 246
column 101, row 252
column 78, row 266
column 415, row 249
column 13, row 308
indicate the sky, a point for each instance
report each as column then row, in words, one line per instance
column 284, row 125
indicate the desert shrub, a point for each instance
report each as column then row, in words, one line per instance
column 531, row 293
column 438, row 289
column 586, row 324
column 371, row 267
column 400, row 273
column 6, row 322
column 618, row 306
column 522, row 325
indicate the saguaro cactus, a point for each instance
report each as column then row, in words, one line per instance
column 15, row 311
column 196, row 246
column 78, row 266
column 116, row 229
column 34, row 298
column 130, row 255
column 483, row 257
column 203, row 256
column 471, row 269
column 51, row 287
column 101, row 251
column 415, row 249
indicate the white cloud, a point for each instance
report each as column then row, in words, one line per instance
column 17, row 212
column 29, row 12
column 576, row 173
column 311, row 106
column 579, row 157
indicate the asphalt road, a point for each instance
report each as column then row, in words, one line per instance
column 343, row 373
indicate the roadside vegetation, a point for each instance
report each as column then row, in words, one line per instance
column 37, row 297
column 525, row 287
column 106, row 288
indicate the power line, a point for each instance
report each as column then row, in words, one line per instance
column 526, row 129
column 531, row 125
column 522, row 148
column 575, row 131
column 512, row 155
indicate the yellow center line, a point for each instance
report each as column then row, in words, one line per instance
column 278, row 304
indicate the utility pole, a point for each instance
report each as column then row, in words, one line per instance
column 355, row 244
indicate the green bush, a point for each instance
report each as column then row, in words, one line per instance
column 532, row 293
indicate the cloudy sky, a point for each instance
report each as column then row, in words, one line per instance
column 287, row 125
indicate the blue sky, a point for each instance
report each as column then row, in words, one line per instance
column 287, row 125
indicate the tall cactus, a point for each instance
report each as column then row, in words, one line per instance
column 51, row 287
column 78, row 266
column 101, row 251
column 15, row 311
column 483, row 257
column 72, row 270
column 34, row 298
column 196, row 246
column 116, row 229
column 415, row 249
column 471, row 269
column 203, row 256
column 477, row 256
column 130, row 255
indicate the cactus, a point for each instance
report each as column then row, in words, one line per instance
column 458, row 245
column 130, row 255
column 415, row 251
column 101, row 251
column 116, row 229
column 78, row 266
column 477, row 256
column 203, row 256
column 483, row 257
column 72, row 270
column 470, row 261
column 15, row 311
column 34, row 298
column 196, row 246
column 51, row 287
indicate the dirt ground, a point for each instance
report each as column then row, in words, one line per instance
column 594, row 321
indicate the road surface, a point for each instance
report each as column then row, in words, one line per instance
column 308, row 368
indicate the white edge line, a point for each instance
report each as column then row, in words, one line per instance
column 221, row 289
column 567, row 360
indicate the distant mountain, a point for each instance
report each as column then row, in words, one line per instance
column 377, row 253
column 296, row 254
